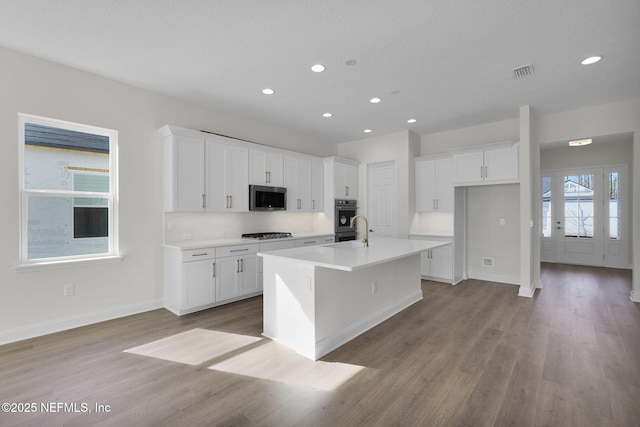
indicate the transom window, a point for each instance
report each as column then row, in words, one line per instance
column 68, row 191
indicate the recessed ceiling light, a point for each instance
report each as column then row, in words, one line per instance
column 580, row 142
column 591, row 60
column 327, row 115
column 375, row 100
column 350, row 62
column 268, row 91
column 318, row 68
column 411, row 121
column 367, row 131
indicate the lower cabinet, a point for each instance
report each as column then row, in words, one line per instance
column 197, row 279
column 437, row 264
column 237, row 276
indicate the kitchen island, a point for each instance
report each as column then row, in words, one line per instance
column 318, row 298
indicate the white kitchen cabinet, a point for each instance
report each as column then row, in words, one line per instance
column 437, row 264
column 303, row 178
column 316, row 240
column 184, row 174
column 226, row 177
column 489, row 164
column 204, row 172
column 266, row 167
column 434, row 184
column 237, row 271
column 189, row 279
column 317, row 186
column 197, row 279
column 341, row 178
column 297, row 179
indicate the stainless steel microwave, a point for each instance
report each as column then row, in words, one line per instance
column 264, row 198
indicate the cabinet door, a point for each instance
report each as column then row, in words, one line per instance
column 291, row 183
column 304, row 185
column 339, row 180
column 501, row 164
column 425, row 264
column 265, row 168
column 226, row 278
column 425, row 185
column 188, row 174
column 249, row 275
column 444, row 185
column 351, row 182
column 442, row 263
column 317, row 186
column 469, row 167
column 238, row 179
column 198, row 283
column 216, row 172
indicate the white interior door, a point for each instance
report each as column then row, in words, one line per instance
column 382, row 202
column 579, row 219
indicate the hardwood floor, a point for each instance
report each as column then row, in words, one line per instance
column 474, row 354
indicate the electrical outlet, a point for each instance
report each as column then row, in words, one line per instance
column 187, row 236
column 68, row 290
column 503, row 221
column 487, row 262
column 374, row 287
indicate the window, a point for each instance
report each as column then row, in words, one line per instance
column 68, row 191
column 614, row 205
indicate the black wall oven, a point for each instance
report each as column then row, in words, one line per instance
column 344, row 211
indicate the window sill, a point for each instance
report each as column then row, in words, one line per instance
column 54, row 265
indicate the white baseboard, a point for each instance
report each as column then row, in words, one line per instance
column 635, row 296
column 329, row 344
column 500, row 278
column 58, row 325
column 526, row 291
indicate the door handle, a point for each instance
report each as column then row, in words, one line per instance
column 559, row 228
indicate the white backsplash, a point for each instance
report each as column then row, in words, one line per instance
column 179, row 227
column 437, row 223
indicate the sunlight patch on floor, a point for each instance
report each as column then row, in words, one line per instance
column 194, row 347
column 275, row 362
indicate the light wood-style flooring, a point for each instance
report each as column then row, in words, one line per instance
column 474, row 354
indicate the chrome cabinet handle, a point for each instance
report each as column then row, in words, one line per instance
column 239, row 250
column 486, row 172
column 204, row 201
column 214, row 269
column 346, row 190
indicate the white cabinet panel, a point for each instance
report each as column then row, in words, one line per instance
column 437, row 264
column 317, row 186
column 227, row 181
column 491, row 164
column 266, row 167
column 184, row 174
column 434, row 184
column 298, row 181
column 199, row 283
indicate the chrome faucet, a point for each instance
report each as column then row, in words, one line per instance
column 366, row 230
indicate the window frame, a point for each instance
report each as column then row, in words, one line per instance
column 112, row 253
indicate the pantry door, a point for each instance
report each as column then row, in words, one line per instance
column 579, row 216
column 382, row 199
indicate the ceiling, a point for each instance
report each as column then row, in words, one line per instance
column 445, row 63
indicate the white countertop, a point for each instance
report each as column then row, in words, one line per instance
column 352, row 255
column 201, row 244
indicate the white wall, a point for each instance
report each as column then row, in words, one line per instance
column 486, row 237
column 400, row 146
column 33, row 302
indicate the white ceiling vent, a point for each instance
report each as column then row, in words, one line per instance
column 523, row 71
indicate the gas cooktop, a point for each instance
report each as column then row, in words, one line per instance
column 266, row 235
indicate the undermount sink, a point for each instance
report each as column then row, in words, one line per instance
column 348, row 244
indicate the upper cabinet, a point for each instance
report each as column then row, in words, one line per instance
column 434, row 184
column 488, row 164
column 266, row 167
column 226, row 183
column 303, row 178
column 211, row 173
column 341, row 175
column 204, row 173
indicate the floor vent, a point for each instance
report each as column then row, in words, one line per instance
column 523, row 71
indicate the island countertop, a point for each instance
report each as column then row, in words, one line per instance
column 353, row 255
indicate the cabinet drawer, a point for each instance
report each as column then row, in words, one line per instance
column 238, row 250
column 198, row 254
column 308, row 242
